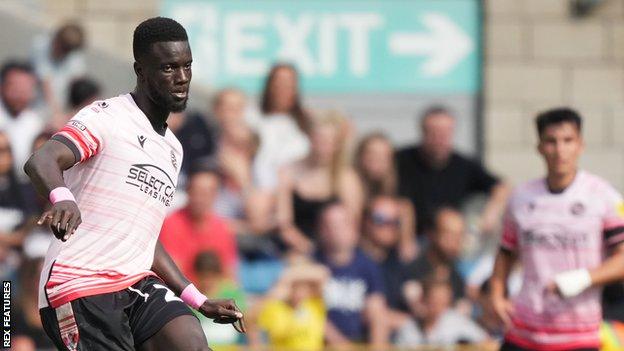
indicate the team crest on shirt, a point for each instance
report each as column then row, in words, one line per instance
column 577, row 209
column 174, row 160
column 103, row 104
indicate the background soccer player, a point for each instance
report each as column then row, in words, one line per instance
column 101, row 286
column 559, row 227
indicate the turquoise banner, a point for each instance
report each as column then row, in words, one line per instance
column 343, row 46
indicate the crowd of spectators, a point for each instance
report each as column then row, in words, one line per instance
column 321, row 235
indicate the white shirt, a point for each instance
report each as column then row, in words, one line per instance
column 281, row 142
column 22, row 131
column 123, row 184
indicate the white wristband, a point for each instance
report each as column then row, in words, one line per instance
column 572, row 283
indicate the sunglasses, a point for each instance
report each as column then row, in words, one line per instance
column 379, row 219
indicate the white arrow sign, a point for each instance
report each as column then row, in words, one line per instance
column 445, row 44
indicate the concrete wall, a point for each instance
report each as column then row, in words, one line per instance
column 538, row 56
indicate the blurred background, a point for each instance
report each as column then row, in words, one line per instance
column 346, row 162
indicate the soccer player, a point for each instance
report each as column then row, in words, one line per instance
column 567, row 229
column 110, row 174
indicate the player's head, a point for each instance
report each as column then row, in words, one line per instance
column 17, row 86
column 560, row 140
column 163, row 62
column 437, row 126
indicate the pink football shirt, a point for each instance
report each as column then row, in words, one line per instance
column 123, row 184
column 552, row 233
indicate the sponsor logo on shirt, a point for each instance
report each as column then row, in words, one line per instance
column 555, row 237
column 153, row 181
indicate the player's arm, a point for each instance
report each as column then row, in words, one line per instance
column 505, row 259
column 222, row 311
column 45, row 168
column 571, row 283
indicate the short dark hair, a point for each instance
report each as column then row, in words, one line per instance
column 557, row 116
column 155, row 30
column 81, row 90
column 434, row 110
column 17, row 65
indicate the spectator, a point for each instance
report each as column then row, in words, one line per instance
column 354, row 294
column 198, row 135
column 26, row 329
column 82, row 92
column 306, row 186
column 282, row 128
column 196, row 228
column 374, row 163
column 237, row 145
column 17, row 208
column 214, row 283
column 293, row 314
column 17, row 119
column 58, row 60
column 438, row 260
column 440, row 324
column 432, row 174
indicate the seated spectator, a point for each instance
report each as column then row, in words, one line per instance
column 282, row 126
column 293, row 313
column 26, row 329
column 440, row 324
column 374, row 162
column 196, row 228
column 432, row 174
column 82, row 92
column 306, row 186
column 59, row 59
column 380, row 241
column 354, row 294
column 17, row 211
column 237, row 145
column 17, row 119
column 438, row 260
column 214, row 283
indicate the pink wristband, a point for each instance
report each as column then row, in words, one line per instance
column 61, row 194
column 192, row 297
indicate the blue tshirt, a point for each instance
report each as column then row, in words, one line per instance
column 346, row 292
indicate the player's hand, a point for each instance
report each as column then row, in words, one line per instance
column 503, row 309
column 224, row 312
column 63, row 218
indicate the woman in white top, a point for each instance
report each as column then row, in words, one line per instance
column 282, row 127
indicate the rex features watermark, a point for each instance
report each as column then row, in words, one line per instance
column 6, row 314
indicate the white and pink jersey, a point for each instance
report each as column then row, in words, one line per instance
column 123, row 184
column 552, row 233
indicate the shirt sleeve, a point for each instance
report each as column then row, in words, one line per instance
column 613, row 218
column 84, row 134
column 481, row 180
column 509, row 240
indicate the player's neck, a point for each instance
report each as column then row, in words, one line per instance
column 558, row 183
column 155, row 114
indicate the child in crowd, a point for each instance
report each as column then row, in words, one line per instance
column 293, row 314
column 212, row 281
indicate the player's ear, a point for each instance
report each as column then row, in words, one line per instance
column 138, row 70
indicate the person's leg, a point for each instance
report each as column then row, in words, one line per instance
column 182, row 333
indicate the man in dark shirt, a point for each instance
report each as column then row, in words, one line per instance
column 433, row 174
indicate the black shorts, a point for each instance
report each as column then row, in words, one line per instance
column 508, row 346
column 116, row 321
